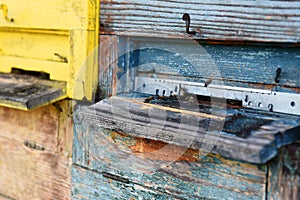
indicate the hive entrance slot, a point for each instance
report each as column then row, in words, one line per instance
column 40, row 75
column 218, row 102
column 194, row 102
column 239, row 125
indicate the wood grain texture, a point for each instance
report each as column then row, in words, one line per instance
column 107, row 165
column 39, row 126
column 267, row 21
column 35, row 152
column 179, row 59
column 235, row 64
column 49, row 14
column 284, row 174
column 108, row 62
column 65, row 128
column 29, row 92
column 237, row 134
column 27, row 173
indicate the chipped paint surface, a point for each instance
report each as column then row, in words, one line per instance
column 98, row 150
column 236, row 64
column 147, row 149
column 60, row 41
column 191, row 176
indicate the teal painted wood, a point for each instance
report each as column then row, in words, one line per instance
column 236, row 65
column 271, row 21
column 98, row 152
column 89, row 184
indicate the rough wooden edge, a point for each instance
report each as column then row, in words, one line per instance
column 259, row 147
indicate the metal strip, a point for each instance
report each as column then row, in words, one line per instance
column 259, row 99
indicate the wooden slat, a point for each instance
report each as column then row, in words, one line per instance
column 268, row 21
column 49, row 14
column 108, row 62
column 65, row 128
column 29, row 92
column 17, row 43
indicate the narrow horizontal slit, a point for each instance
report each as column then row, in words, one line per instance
column 230, row 103
column 115, row 177
column 40, row 75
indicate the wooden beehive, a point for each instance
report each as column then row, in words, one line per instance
column 55, row 38
column 47, row 57
column 248, row 42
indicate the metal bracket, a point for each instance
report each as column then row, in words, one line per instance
column 259, row 99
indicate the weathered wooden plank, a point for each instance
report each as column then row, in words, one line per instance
column 186, row 60
column 54, row 14
column 36, row 148
column 117, row 166
column 268, row 21
column 28, row 173
column 284, row 174
column 38, row 126
column 11, row 40
column 244, row 135
column 28, row 92
column 108, row 62
column 65, row 128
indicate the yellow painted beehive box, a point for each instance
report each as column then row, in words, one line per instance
column 56, row 37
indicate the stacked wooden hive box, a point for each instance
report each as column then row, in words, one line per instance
column 254, row 45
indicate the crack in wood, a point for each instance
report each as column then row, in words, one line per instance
column 115, row 177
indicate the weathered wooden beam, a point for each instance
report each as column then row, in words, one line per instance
column 108, row 62
column 267, row 21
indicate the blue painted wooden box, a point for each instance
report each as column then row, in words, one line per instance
column 145, row 140
column 118, row 159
